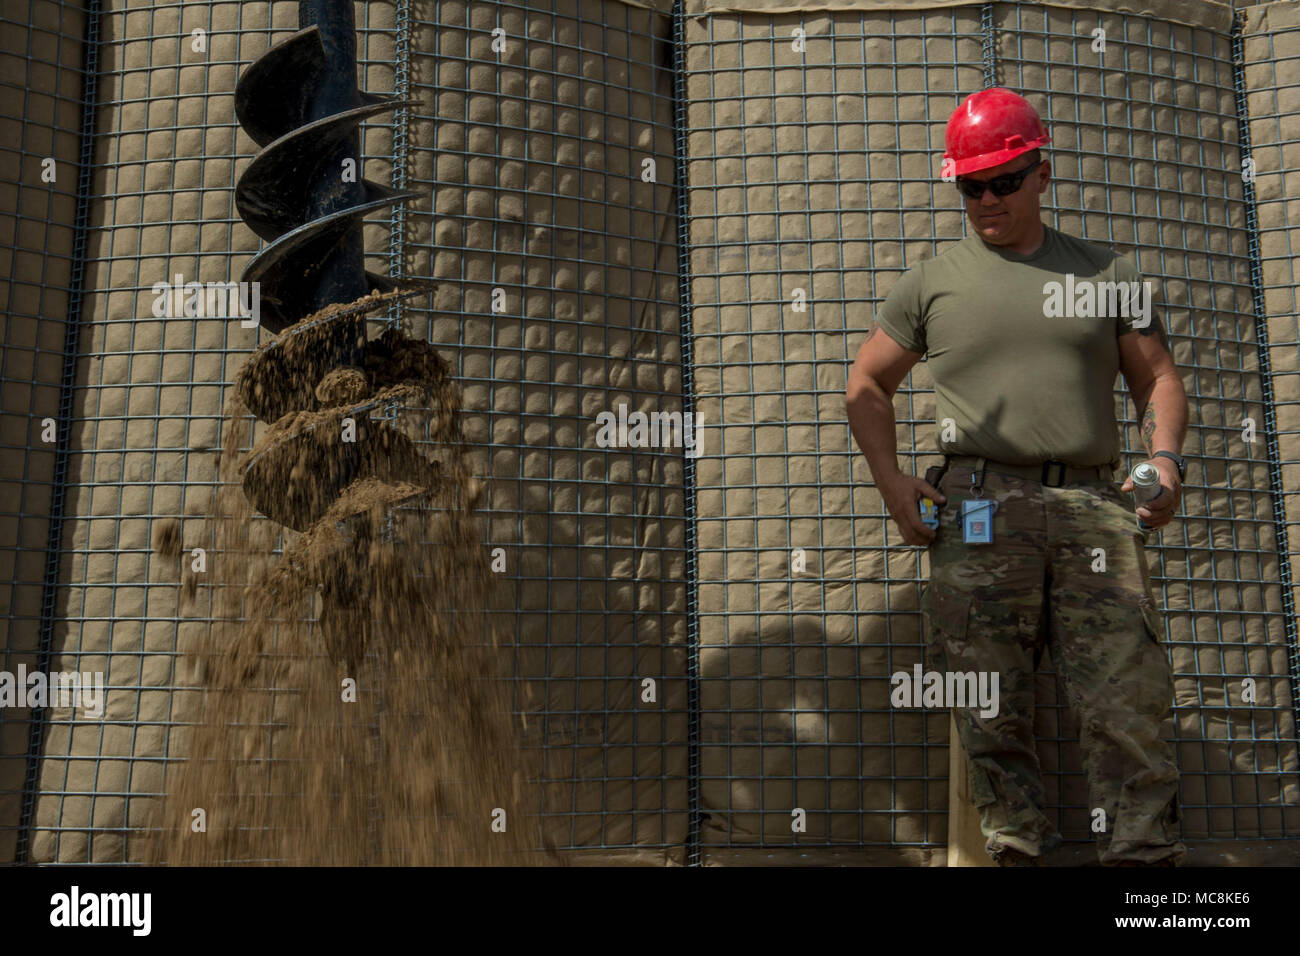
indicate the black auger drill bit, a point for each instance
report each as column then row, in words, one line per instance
column 300, row 102
column 304, row 194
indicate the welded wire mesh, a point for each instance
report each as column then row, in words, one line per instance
column 1149, row 165
column 146, row 400
column 1268, row 100
column 1145, row 161
column 41, row 88
column 538, row 158
column 799, row 161
column 675, row 723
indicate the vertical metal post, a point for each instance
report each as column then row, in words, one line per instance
column 401, row 126
column 1276, row 486
column 681, row 181
column 989, row 36
column 59, row 482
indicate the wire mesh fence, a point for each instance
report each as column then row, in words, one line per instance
column 44, row 63
column 553, row 236
column 1268, row 95
column 623, row 204
column 142, row 406
column 1151, row 166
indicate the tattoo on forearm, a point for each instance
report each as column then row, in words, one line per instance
column 1154, row 328
column 1149, row 425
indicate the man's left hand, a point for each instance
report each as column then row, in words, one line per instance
column 1159, row 511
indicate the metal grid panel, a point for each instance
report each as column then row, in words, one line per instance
column 1149, row 165
column 41, row 55
column 1269, row 97
column 798, row 163
column 146, row 404
column 595, row 591
column 536, row 166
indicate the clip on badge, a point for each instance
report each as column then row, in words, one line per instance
column 977, row 520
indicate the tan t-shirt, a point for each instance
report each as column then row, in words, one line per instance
column 1025, row 370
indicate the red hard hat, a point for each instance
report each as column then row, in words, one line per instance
column 989, row 128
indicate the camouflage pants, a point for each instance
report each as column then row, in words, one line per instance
column 990, row 608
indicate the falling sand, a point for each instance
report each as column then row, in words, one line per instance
column 354, row 703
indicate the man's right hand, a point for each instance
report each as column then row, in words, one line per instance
column 902, row 494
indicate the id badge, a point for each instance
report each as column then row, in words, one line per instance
column 929, row 514
column 977, row 520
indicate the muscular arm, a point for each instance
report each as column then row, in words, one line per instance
column 1161, row 404
column 880, row 366
column 1157, row 389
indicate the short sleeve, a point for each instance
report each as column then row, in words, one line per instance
column 900, row 314
column 1140, row 315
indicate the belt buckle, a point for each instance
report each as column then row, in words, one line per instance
column 1060, row 475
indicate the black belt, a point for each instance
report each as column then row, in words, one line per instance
column 1052, row 473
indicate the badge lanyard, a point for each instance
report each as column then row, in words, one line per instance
column 977, row 513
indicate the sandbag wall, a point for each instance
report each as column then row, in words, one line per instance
column 551, row 161
column 147, row 398
column 548, row 171
column 546, row 152
column 1271, row 79
column 41, row 60
column 814, row 146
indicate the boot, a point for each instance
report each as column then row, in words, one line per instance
column 1007, row 856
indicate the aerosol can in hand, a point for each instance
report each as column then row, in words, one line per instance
column 1146, row 486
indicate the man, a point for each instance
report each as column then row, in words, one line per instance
column 1024, row 360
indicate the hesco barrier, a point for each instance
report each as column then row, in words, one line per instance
column 670, row 209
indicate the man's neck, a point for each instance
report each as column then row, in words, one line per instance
column 1031, row 243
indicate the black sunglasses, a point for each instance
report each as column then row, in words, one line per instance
column 1001, row 185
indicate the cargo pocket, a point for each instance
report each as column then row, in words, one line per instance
column 945, row 611
column 981, row 788
column 1153, row 622
column 1152, row 619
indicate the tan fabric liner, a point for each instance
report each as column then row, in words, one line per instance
column 1196, row 13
